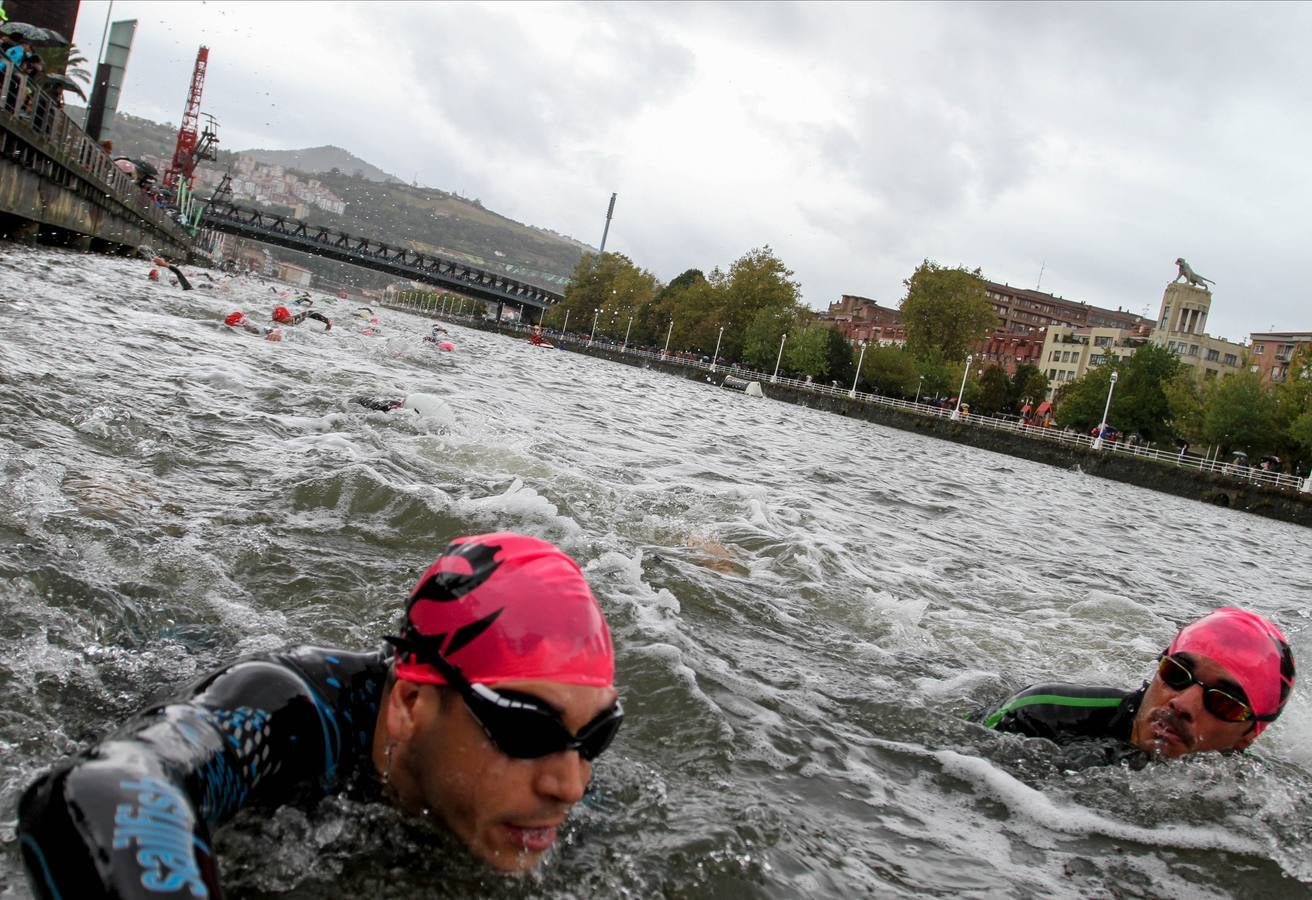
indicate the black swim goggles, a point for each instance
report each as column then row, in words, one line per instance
column 520, row 725
column 1177, row 675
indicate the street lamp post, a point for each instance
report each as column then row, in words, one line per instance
column 956, row 412
column 565, row 330
column 669, row 331
column 627, row 329
column 918, row 387
column 1102, row 426
column 778, row 359
column 852, row 393
column 716, row 354
column 595, row 313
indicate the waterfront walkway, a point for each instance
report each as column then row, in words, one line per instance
column 1240, row 475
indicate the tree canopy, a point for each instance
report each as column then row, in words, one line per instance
column 945, row 310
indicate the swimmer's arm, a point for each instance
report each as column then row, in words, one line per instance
column 134, row 815
column 1054, row 711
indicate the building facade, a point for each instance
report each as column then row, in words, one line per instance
column 1070, row 352
column 862, row 319
column 1179, row 328
column 1272, row 351
column 1020, row 311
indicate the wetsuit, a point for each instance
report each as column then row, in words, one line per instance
column 300, row 317
column 133, row 817
column 1066, row 714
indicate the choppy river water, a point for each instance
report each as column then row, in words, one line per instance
column 174, row 494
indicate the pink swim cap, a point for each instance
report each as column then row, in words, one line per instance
column 446, row 345
column 505, row 607
column 1251, row 647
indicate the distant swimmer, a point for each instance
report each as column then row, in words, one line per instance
column 441, row 343
column 429, row 406
column 484, row 717
column 1220, row 683
column 161, row 261
column 284, row 316
column 239, row 319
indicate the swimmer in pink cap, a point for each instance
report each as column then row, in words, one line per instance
column 485, row 717
column 501, row 696
column 1220, row 683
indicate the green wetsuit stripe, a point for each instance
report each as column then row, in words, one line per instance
column 1054, row 699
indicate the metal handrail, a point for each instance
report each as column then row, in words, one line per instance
column 35, row 115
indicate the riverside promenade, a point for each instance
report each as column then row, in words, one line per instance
column 1270, row 494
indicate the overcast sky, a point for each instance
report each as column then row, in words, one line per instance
column 1093, row 142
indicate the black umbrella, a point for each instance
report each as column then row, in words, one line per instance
column 37, row 35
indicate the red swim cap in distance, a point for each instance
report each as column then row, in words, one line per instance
column 1251, row 647
column 282, row 314
column 235, row 318
column 506, row 607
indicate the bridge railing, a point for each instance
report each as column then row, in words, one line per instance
column 224, row 215
column 34, row 116
column 1230, row 471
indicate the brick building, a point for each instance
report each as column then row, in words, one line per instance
column 1022, row 310
column 1271, row 352
column 863, row 319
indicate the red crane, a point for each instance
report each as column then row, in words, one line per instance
column 192, row 146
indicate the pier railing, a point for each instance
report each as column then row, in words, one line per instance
column 1229, row 470
column 32, row 120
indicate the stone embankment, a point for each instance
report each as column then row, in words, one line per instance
column 1286, row 504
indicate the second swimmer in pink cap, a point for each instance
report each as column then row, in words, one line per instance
column 1220, row 683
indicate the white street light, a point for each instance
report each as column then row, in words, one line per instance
column 596, row 312
column 852, row 393
column 670, row 331
column 716, row 354
column 956, row 413
column 918, row 387
column 1097, row 442
column 565, row 329
column 775, row 377
column 625, row 348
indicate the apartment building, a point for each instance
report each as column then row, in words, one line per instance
column 1271, row 352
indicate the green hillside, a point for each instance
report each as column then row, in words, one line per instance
column 380, row 206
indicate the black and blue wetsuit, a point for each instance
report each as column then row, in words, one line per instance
column 132, row 817
column 1067, row 713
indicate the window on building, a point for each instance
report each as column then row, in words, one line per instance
column 1103, row 341
column 1231, row 359
column 1097, row 359
column 1213, row 354
column 1052, row 374
column 1259, row 349
column 1193, row 349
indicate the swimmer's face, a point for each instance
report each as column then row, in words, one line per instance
column 506, row 811
column 1172, row 723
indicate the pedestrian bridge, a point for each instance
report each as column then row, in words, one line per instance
column 221, row 214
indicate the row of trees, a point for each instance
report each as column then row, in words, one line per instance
column 748, row 309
